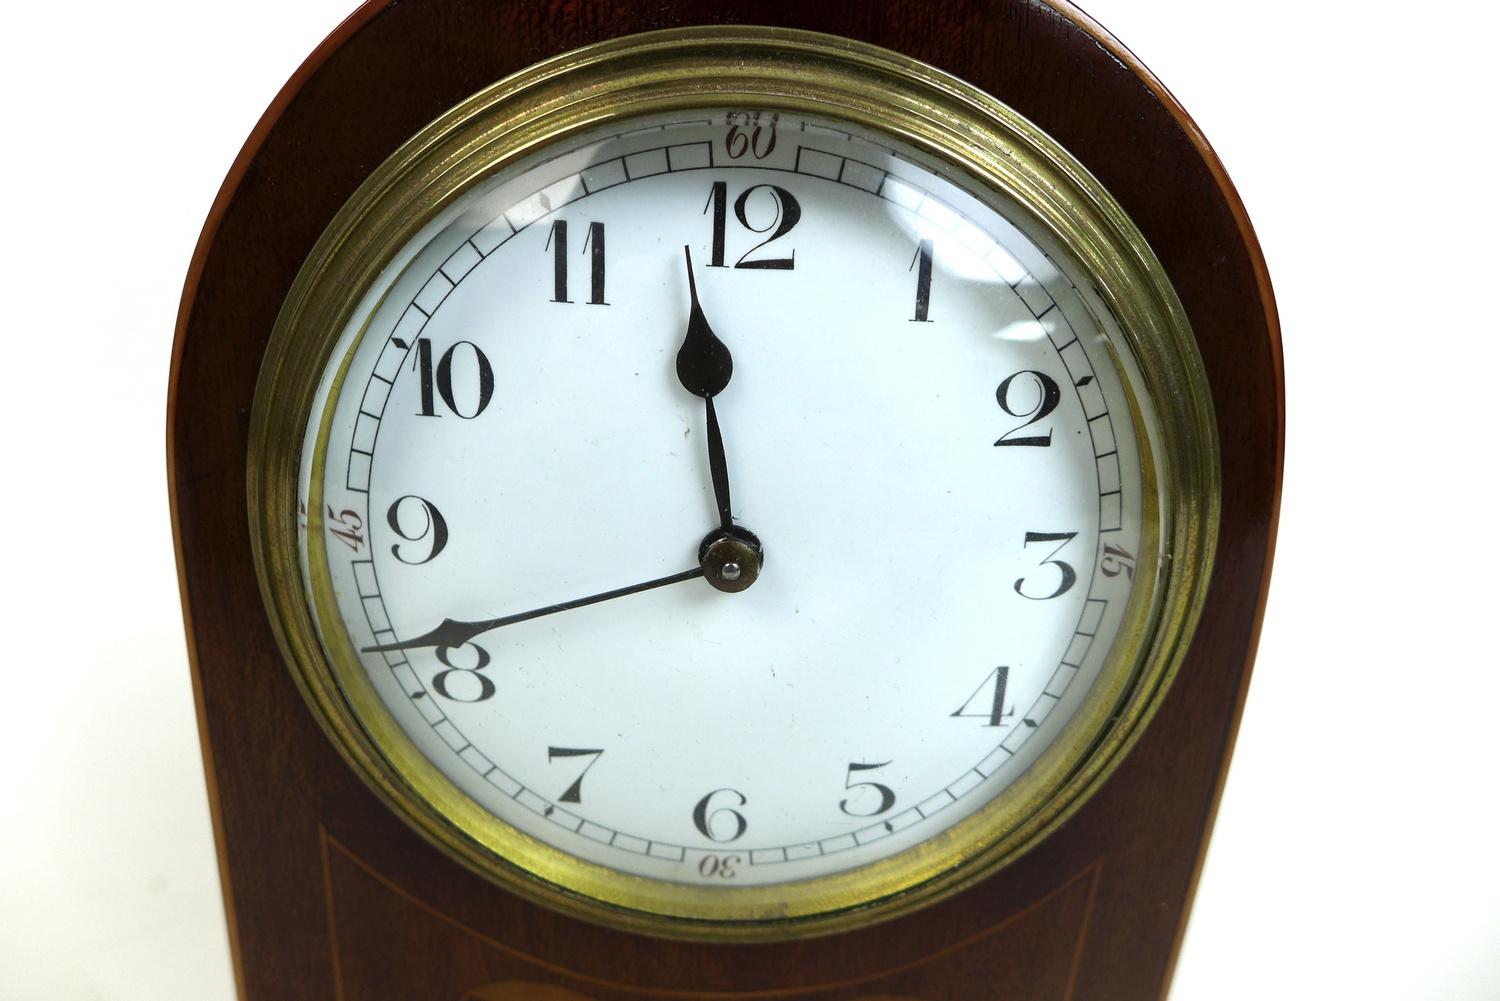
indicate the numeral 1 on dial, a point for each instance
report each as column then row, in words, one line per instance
column 922, row 261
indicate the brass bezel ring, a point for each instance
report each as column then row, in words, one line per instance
column 987, row 146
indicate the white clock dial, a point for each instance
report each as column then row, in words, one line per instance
column 930, row 426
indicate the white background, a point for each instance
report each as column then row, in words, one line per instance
column 1355, row 854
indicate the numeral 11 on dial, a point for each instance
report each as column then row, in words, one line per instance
column 593, row 245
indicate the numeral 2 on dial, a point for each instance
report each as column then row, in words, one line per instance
column 1011, row 394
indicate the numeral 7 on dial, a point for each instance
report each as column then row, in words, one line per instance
column 574, row 792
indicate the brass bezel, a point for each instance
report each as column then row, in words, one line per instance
column 794, row 71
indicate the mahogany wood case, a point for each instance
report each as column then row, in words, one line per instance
column 331, row 896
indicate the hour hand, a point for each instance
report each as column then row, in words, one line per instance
column 704, row 367
column 704, row 364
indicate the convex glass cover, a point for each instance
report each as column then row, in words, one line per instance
column 737, row 511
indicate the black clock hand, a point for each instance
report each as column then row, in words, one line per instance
column 704, row 367
column 452, row 634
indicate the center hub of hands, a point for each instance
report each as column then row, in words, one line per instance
column 731, row 558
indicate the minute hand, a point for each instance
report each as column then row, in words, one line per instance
column 704, row 367
column 452, row 633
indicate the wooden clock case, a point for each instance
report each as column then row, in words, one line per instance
column 331, row 896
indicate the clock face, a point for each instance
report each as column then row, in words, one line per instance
column 730, row 497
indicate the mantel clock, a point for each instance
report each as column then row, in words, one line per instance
column 685, row 501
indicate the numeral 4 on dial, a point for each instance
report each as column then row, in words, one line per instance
column 988, row 700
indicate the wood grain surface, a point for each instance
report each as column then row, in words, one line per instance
column 332, row 897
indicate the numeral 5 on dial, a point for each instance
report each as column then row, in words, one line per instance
column 881, row 796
